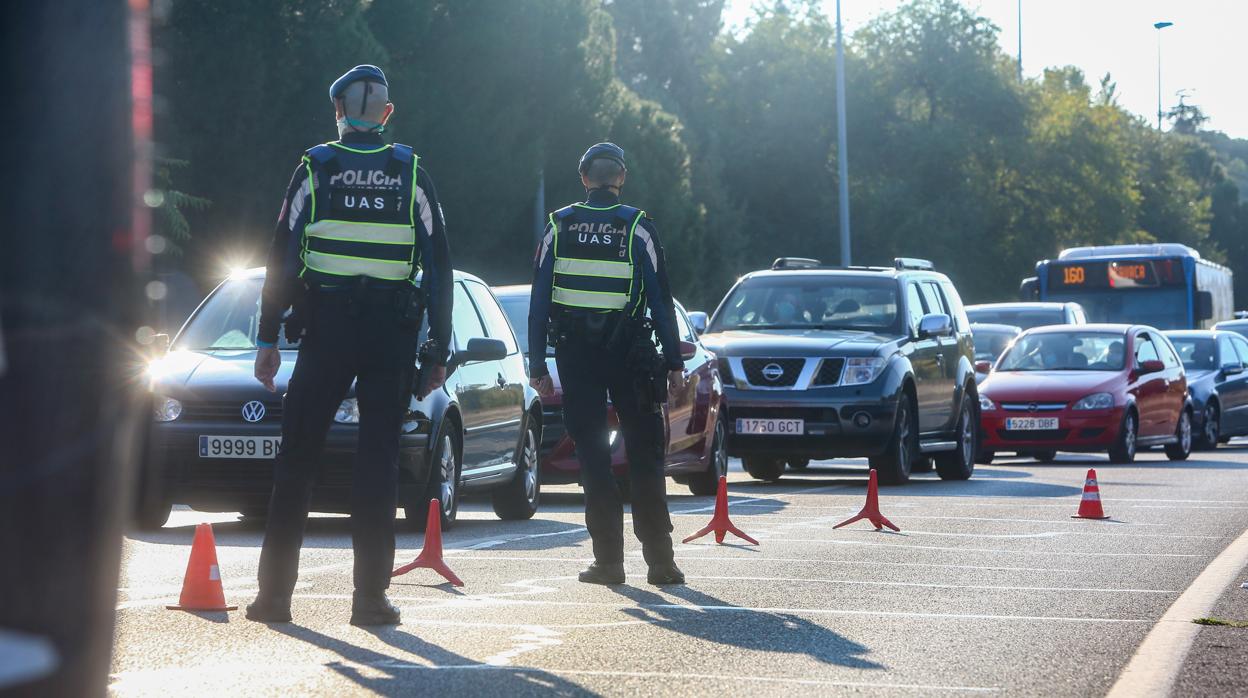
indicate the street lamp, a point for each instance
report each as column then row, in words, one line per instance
column 842, row 151
column 1159, row 26
column 1020, row 40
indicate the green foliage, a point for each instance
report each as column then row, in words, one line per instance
column 172, row 205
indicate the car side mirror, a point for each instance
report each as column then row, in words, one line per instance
column 935, row 325
column 1151, row 366
column 983, row 366
column 478, row 349
column 1233, row 369
column 699, row 321
column 687, row 350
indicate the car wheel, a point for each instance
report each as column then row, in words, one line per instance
column 518, row 499
column 1211, row 433
column 1182, row 446
column 443, row 483
column 1124, row 450
column 959, row 463
column 893, row 466
column 706, row 483
column 765, row 469
column 1044, row 456
column 152, row 513
column 799, row 463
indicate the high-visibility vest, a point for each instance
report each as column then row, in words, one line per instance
column 594, row 267
column 364, row 214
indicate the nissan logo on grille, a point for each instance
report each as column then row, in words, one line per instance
column 773, row 372
column 253, row 411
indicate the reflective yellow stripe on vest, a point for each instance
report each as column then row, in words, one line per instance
column 589, row 267
column 589, row 299
column 339, row 265
column 352, row 231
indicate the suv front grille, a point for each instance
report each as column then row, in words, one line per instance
column 830, row 372
column 762, row 372
column 226, row 410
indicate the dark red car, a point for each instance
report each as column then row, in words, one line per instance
column 694, row 422
column 1114, row 388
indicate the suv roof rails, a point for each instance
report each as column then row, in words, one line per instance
column 795, row 263
column 913, row 263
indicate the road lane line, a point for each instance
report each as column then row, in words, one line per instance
column 755, row 558
column 970, row 550
column 871, row 582
column 1160, row 657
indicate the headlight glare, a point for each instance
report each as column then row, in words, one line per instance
column 1095, row 401
column 166, row 409
column 348, row 412
column 862, row 369
column 985, row 404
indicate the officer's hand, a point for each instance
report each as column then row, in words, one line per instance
column 437, row 376
column 545, row 385
column 268, row 360
column 676, row 381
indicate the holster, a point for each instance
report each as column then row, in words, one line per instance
column 299, row 319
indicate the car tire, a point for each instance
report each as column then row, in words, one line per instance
column 152, row 513
column 1123, row 451
column 706, row 483
column 893, row 466
column 765, row 469
column 924, row 464
column 1044, row 456
column 1182, row 446
column 959, row 464
column 1211, row 432
column 518, row 499
column 443, row 483
column 799, row 463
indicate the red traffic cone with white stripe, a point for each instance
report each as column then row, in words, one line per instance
column 431, row 555
column 720, row 523
column 201, row 588
column 871, row 510
column 1090, row 505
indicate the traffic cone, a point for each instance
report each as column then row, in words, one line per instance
column 201, row 587
column 431, row 555
column 871, row 510
column 1090, row 505
column 720, row 523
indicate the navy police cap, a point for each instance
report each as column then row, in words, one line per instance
column 367, row 73
column 609, row 151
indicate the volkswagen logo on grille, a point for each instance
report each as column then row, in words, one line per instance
column 773, row 372
column 253, row 411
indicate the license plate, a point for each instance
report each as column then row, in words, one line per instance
column 1031, row 423
column 239, row 446
column 771, row 427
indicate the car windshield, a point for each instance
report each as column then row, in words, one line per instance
column 990, row 343
column 825, row 301
column 517, row 310
column 1065, row 351
column 227, row 320
column 1197, row 353
column 1024, row 318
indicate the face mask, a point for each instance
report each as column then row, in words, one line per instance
column 346, row 125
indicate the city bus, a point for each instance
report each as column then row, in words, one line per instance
column 1168, row 286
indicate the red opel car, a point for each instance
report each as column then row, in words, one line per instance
column 695, row 423
column 1114, row 388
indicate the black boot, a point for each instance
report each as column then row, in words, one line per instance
column 665, row 573
column 373, row 609
column 269, row 609
column 603, row 573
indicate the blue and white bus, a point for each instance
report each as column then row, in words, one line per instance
column 1167, row 286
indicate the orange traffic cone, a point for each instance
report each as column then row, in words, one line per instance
column 871, row 510
column 201, row 588
column 431, row 555
column 720, row 523
column 1090, row 505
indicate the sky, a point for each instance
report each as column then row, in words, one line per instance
column 1205, row 53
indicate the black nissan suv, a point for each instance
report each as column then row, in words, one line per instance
column 839, row 362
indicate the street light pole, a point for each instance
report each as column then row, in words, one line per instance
column 1020, row 40
column 842, row 150
column 1159, row 26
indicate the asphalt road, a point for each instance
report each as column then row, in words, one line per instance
column 990, row 587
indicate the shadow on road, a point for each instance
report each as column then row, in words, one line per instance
column 757, row 630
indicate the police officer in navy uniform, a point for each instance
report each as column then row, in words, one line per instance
column 360, row 220
column 598, row 268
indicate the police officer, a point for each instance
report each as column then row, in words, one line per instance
column 359, row 221
column 598, row 268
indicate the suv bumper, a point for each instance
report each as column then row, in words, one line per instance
column 829, row 430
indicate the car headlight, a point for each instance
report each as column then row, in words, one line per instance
column 348, row 412
column 166, row 409
column 986, row 405
column 1095, row 401
column 863, row 369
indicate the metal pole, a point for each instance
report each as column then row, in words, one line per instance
column 1020, row 40
column 1159, row 26
column 842, row 150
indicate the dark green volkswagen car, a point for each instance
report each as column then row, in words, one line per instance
column 821, row 362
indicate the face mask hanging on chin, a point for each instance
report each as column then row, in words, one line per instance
column 347, row 125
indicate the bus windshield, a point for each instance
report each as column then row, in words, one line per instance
column 1163, row 308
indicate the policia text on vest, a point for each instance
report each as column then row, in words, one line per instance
column 599, row 268
column 360, row 250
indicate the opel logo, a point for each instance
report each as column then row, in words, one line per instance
column 772, row 372
column 1032, row 407
column 253, row 411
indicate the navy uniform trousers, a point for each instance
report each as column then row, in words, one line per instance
column 349, row 336
column 587, row 375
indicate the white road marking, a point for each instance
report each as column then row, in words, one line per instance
column 1159, row 658
column 756, row 558
column 970, row 550
column 874, row 582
